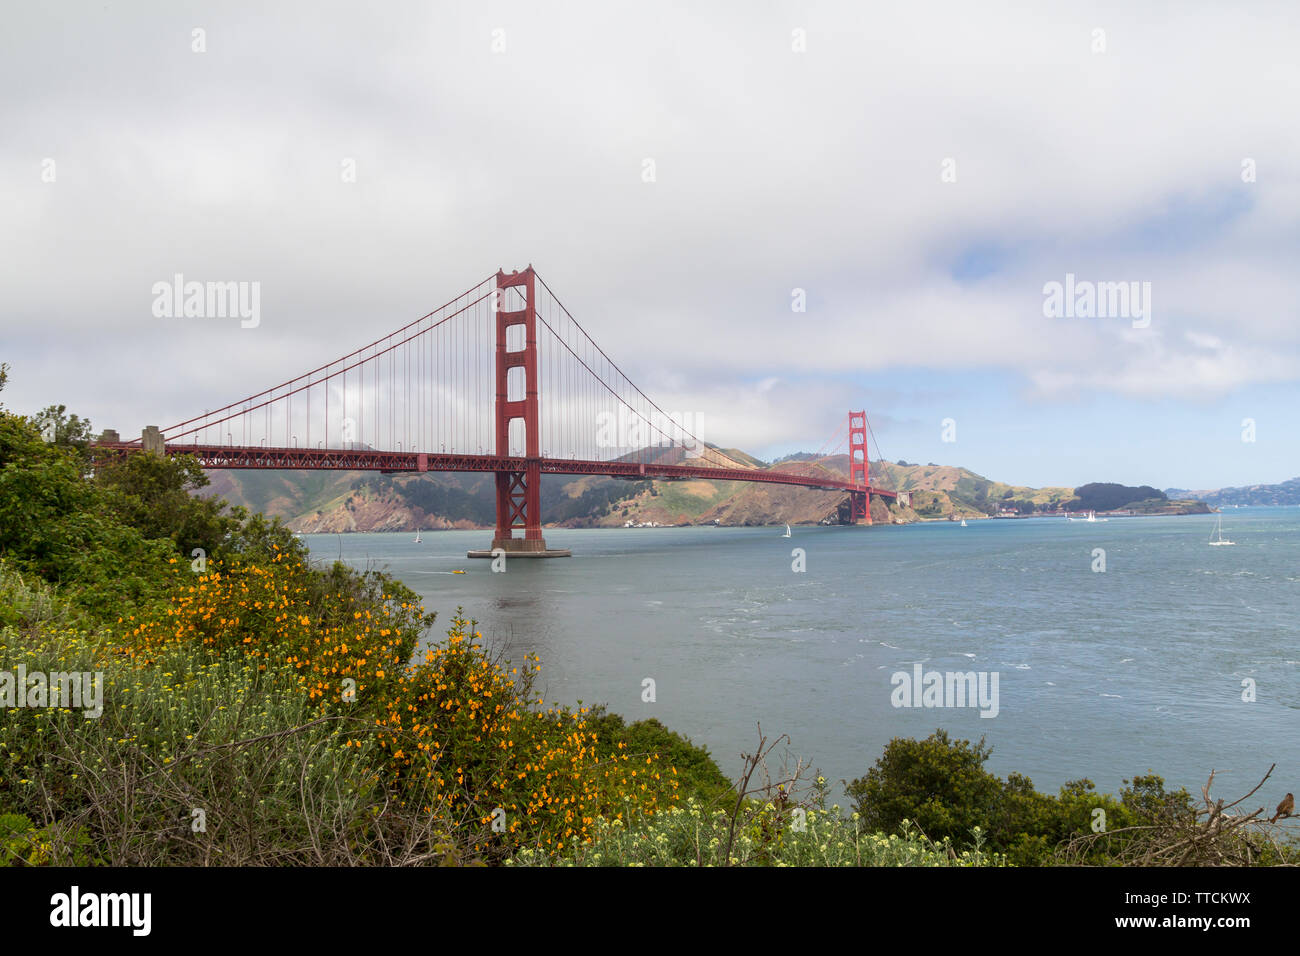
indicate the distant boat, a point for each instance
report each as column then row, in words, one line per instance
column 417, row 535
column 787, row 532
column 1219, row 539
column 1091, row 519
column 963, row 522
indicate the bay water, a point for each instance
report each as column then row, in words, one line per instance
column 1119, row 648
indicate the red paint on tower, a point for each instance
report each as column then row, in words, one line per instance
column 860, row 504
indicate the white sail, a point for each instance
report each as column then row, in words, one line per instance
column 1218, row 540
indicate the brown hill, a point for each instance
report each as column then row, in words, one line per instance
column 352, row 501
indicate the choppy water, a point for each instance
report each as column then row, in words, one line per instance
column 1101, row 675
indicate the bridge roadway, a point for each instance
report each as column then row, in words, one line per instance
column 336, row 459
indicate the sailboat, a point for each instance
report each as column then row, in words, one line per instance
column 963, row 522
column 417, row 535
column 1218, row 530
column 787, row 532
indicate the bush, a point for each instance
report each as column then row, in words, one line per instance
column 941, row 786
column 696, row 772
column 470, row 729
column 938, row 784
column 694, row 835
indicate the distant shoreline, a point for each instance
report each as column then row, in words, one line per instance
column 662, row 527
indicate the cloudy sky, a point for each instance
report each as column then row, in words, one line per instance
column 921, row 171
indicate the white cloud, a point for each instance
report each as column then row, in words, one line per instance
column 775, row 170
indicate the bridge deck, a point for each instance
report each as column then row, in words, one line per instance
column 337, row 459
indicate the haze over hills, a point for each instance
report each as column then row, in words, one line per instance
column 334, row 502
column 1283, row 493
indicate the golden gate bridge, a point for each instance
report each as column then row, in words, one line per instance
column 500, row 379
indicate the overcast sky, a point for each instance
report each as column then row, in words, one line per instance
column 921, row 170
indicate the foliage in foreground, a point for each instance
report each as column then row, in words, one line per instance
column 693, row 835
column 284, row 760
column 940, row 785
column 196, row 760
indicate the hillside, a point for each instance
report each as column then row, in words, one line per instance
column 325, row 502
column 942, row 490
column 1283, row 493
column 741, row 502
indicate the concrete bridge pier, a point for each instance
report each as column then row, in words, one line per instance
column 152, row 441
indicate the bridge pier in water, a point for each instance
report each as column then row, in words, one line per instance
column 518, row 492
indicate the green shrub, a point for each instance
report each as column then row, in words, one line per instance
column 940, row 785
column 694, row 835
column 23, row 844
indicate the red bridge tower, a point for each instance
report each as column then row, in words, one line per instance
column 518, row 492
column 859, row 502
